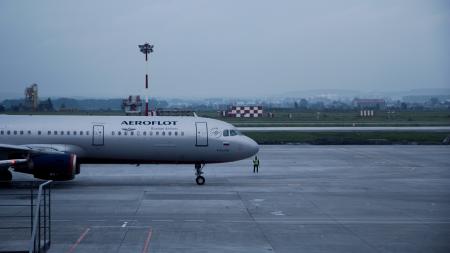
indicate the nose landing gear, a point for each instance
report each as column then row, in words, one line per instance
column 198, row 172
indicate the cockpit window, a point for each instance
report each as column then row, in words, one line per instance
column 231, row 132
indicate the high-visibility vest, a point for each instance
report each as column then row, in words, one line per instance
column 256, row 162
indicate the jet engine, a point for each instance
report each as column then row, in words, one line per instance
column 59, row 167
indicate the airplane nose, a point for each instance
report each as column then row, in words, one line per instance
column 251, row 147
column 254, row 147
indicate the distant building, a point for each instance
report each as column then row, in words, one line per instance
column 369, row 103
column 366, row 113
column 31, row 97
column 132, row 105
column 244, row 111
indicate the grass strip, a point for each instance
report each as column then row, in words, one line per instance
column 349, row 138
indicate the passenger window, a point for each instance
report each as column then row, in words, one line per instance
column 175, row 133
column 68, row 132
column 39, row 132
column 49, row 132
column 170, row 133
column 29, row 132
column 8, row 132
column 81, row 132
column 15, row 132
column 150, row 133
column 1, row 132
column 157, row 133
column 62, row 132
column 144, row 133
column 112, row 133
column 182, row 133
column 74, row 132
column 131, row 133
column 21, row 132
column 138, row 133
column 226, row 133
column 55, row 132
column 87, row 132
column 163, row 133
column 119, row 133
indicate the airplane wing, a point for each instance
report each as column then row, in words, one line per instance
column 11, row 162
column 16, row 148
column 45, row 161
column 31, row 148
column 22, row 152
column 7, row 151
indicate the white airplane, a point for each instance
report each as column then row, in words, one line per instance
column 53, row 147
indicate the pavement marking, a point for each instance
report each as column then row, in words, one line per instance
column 278, row 213
column 147, row 241
column 125, row 224
column 162, row 220
column 78, row 241
column 119, row 227
column 194, row 220
column 96, row 220
column 349, row 221
column 239, row 221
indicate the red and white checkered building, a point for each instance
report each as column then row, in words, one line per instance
column 245, row 111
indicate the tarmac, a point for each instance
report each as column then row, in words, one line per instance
column 304, row 199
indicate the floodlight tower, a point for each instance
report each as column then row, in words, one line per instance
column 146, row 49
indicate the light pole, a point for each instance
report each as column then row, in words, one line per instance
column 146, row 49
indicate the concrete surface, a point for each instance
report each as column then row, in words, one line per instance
column 305, row 199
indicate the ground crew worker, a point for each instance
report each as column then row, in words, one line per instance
column 255, row 164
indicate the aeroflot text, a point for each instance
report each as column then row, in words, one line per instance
column 149, row 123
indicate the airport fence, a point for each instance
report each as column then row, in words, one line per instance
column 25, row 212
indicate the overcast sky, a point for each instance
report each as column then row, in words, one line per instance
column 206, row 48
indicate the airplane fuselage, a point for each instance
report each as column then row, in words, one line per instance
column 130, row 139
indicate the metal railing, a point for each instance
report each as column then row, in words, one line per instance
column 21, row 210
column 42, row 220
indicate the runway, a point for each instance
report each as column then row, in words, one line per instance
column 304, row 199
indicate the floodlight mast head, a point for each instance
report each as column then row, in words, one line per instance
column 146, row 49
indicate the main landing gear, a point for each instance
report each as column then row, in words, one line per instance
column 5, row 176
column 198, row 172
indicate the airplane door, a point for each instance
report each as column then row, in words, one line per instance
column 98, row 135
column 201, row 134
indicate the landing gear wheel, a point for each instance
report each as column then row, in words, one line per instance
column 200, row 180
column 5, row 176
column 198, row 172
